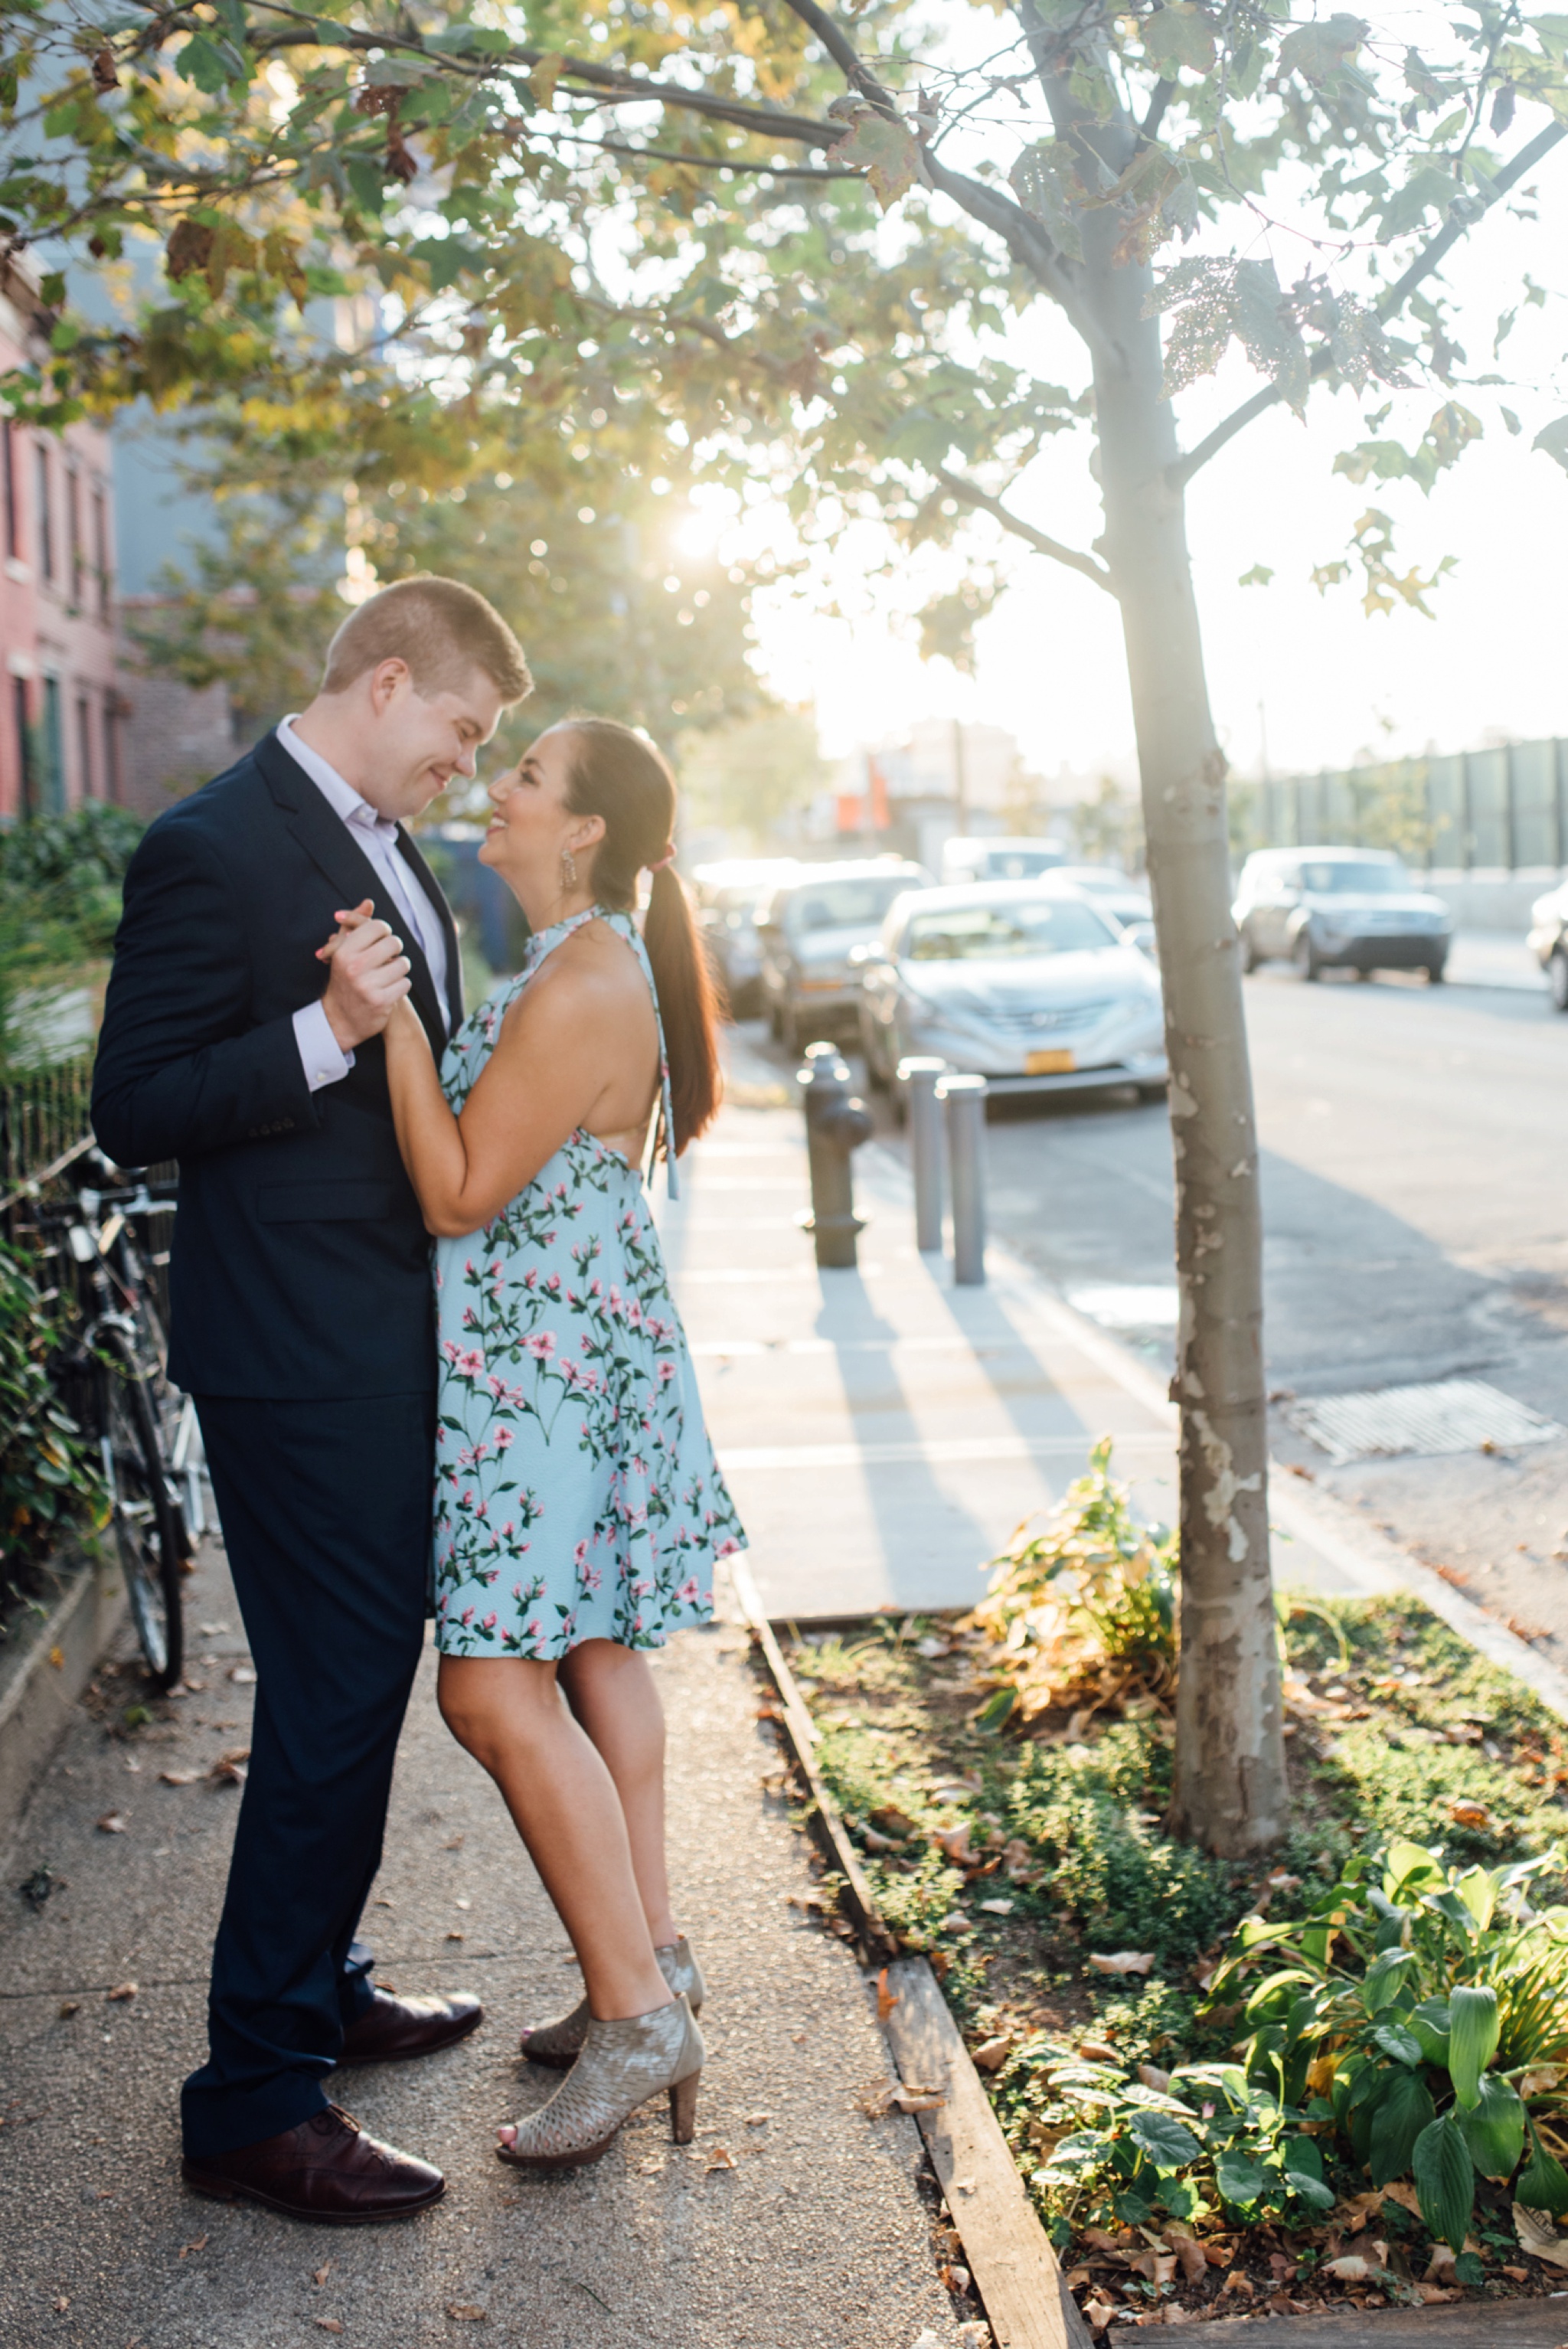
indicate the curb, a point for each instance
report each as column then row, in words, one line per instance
column 38, row 1693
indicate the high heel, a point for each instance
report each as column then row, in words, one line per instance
column 622, row 2063
column 683, row 2109
column 559, row 2044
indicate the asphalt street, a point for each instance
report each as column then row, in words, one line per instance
column 1414, row 1141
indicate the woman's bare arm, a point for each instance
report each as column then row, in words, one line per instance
column 562, row 1043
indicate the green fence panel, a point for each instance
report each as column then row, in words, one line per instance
column 1534, row 803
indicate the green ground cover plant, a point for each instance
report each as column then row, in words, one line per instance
column 1339, row 2073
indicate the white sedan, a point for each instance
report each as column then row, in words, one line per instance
column 1025, row 984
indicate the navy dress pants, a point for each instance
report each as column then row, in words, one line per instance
column 325, row 1510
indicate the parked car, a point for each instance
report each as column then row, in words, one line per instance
column 1126, row 901
column 998, row 860
column 809, row 926
column 728, row 894
column 1339, row 908
column 1026, row 985
column 1549, row 940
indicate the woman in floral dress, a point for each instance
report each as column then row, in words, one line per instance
column 578, row 1507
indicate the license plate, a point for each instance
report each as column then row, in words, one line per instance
column 1054, row 1063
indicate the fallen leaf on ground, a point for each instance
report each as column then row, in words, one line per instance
column 121, row 1993
column 334, row 2324
column 229, row 1769
column 112, row 1822
column 456, row 1844
column 1240, row 2285
column 454, row 1937
column 1404, row 2194
column 955, row 1922
column 956, row 1843
column 322, row 2274
column 1153, row 2077
column 180, row 1777
column 992, row 2053
column 1539, row 2237
column 757, row 2120
column 70, row 2006
column 1433, row 2293
column 57, row 1658
column 1098, row 2239
column 463, row 2311
column 1099, row 2312
column 1194, row 2266
column 886, row 1999
column 999, row 1907
column 1518, row 2275
column 1098, row 2051
column 893, row 1821
column 1351, row 2269
column 199, row 2244
column 63, row 2302
column 242, row 1676
column 1121, row 1961
column 1078, row 2277
column 720, row 2157
column 1175, row 2315
column 1469, row 1815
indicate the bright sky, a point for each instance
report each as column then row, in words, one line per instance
column 1333, row 683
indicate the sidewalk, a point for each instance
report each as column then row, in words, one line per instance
column 818, row 2236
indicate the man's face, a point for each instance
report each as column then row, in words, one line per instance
column 420, row 744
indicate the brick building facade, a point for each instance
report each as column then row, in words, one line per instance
column 61, row 722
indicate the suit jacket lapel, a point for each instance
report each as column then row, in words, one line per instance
column 330, row 844
column 426, row 880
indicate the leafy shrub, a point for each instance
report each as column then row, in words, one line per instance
column 48, row 1476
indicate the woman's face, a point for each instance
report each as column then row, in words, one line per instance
column 533, row 829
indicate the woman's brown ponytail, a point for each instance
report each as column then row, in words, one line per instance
column 617, row 774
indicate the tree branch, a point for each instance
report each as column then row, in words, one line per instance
column 981, row 500
column 1388, row 306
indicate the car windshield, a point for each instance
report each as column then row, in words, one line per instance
column 857, row 905
column 1340, row 878
column 1025, row 925
column 1020, row 864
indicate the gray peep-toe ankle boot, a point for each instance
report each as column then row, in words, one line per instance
column 622, row 2064
column 559, row 2044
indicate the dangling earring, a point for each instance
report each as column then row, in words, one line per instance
column 568, row 869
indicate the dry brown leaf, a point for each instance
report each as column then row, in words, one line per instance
column 720, row 2157
column 886, row 1999
column 1097, row 2239
column 229, row 1769
column 323, row 2273
column 332, row 2323
column 992, row 2053
column 112, row 1822
column 1098, row 2051
column 1153, row 2077
column 1433, row 2293
column 1099, row 2312
column 454, row 1937
column 1517, row 2275
column 1351, row 2269
column 956, row 1843
column 999, row 1907
column 199, row 2244
column 1194, row 2266
column 757, row 2120
column 1121, row 1961
column 180, row 1777
column 1404, row 2195
column 463, row 2311
column 1238, row 2284
column 121, row 1993
column 1469, row 1815
column 1078, row 2277
column 1539, row 2237
column 893, row 1821
column 70, row 2006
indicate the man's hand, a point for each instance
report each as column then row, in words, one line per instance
column 367, row 976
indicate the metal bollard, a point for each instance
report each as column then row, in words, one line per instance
column 964, row 1098
column 918, row 1077
column 837, row 1123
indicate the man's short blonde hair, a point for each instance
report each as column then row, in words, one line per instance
column 442, row 630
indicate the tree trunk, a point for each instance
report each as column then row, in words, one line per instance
column 1229, row 1791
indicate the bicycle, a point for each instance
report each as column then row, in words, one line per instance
column 114, row 1375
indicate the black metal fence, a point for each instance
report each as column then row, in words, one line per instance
column 1499, row 809
column 42, row 1127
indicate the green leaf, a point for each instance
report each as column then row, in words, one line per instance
column 1445, row 2180
column 1473, row 2029
column 1046, row 181
column 1552, row 439
column 1384, row 1978
column 1164, row 2138
column 1401, row 2044
column 1180, row 34
column 1543, row 2183
column 1240, row 2181
column 203, row 62
column 1310, row 2190
column 1428, row 2024
column 1494, row 2128
column 1402, row 2112
column 886, row 151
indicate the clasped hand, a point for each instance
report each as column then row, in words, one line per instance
column 367, row 976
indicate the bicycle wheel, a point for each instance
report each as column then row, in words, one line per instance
column 147, row 1528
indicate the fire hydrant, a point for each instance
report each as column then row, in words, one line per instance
column 837, row 1123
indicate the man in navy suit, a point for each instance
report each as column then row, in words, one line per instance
column 302, row 1326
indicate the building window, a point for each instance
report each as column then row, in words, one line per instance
column 26, row 746
column 111, row 750
column 46, row 512
column 13, row 502
column 100, row 550
column 85, row 747
column 53, row 749
column 74, row 529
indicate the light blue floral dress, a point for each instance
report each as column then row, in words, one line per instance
column 576, row 1492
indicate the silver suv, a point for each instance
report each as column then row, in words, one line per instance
column 1339, row 908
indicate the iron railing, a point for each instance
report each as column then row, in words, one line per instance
column 1504, row 809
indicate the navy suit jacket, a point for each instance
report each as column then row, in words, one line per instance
column 300, row 1263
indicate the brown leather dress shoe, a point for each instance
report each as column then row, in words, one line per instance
column 394, row 2028
column 326, row 2169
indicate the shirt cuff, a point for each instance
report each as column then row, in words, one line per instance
column 322, row 1058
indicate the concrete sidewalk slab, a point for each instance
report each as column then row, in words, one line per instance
column 818, row 2235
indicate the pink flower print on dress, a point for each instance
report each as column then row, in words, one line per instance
column 667, row 1372
column 489, row 1622
column 542, row 1345
column 503, row 1438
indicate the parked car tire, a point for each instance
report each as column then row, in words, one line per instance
column 1437, row 970
column 1557, row 978
column 1250, row 955
column 1304, row 954
column 1152, row 1092
column 876, row 1074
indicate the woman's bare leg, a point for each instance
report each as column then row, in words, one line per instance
column 512, row 1717
column 614, row 1695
